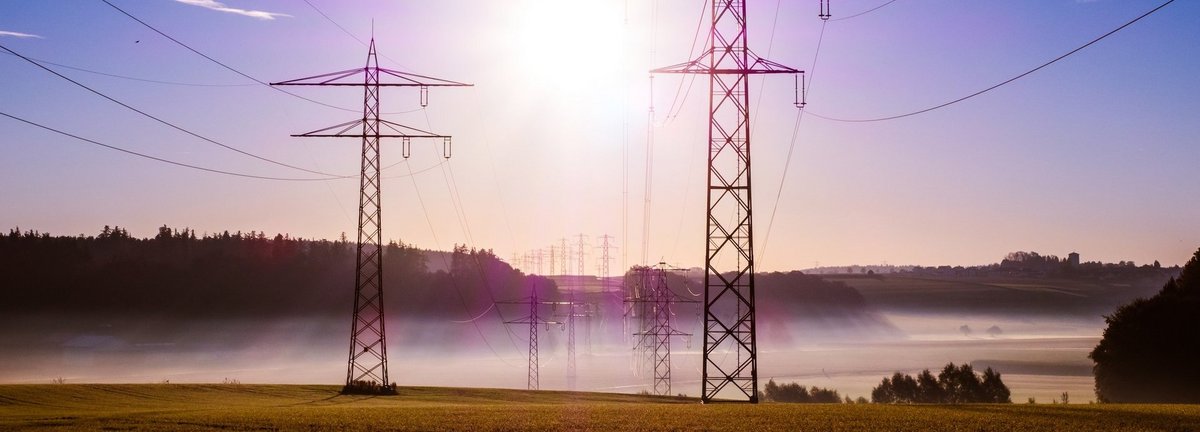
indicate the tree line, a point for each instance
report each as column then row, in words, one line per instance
column 252, row 275
column 955, row 384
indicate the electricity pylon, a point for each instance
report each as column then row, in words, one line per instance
column 580, row 265
column 729, row 255
column 572, row 313
column 533, row 320
column 366, row 369
column 660, row 329
column 606, row 259
column 653, row 299
column 562, row 257
column 638, row 309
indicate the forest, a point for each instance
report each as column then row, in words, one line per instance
column 159, row 285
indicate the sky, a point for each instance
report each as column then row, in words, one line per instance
column 1094, row 154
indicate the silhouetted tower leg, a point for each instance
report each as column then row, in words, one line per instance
column 729, row 312
column 367, row 364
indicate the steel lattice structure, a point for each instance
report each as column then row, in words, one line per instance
column 729, row 258
column 655, row 338
column 533, row 319
column 571, row 372
column 366, row 367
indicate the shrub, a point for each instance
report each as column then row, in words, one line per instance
column 796, row 393
column 955, row 384
column 368, row 388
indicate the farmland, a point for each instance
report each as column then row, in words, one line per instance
column 318, row 407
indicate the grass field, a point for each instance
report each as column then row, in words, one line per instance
column 298, row 407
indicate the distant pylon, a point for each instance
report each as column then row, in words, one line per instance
column 533, row 320
column 729, row 313
column 638, row 316
column 573, row 312
column 660, row 330
column 571, row 372
column 366, row 369
column 606, row 259
column 581, row 266
column 562, row 257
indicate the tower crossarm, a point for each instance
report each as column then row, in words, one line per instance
column 704, row 65
column 349, row 129
column 356, row 78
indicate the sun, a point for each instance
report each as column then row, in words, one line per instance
column 570, row 46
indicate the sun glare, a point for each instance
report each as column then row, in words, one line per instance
column 570, row 46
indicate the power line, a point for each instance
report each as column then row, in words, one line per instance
column 230, row 68
column 787, row 161
column 186, row 165
column 167, row 123
column 155, row 158
column 132, row 78
column 465, row 225
column 691, row 53
column 453, row 281
column 864, row 12
column 348, row 33
column 1093, row 41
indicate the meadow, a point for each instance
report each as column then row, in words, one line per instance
column 320, row 407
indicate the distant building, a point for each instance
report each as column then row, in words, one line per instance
column 1073, row 259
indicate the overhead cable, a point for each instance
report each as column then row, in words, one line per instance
column 155, row 158
column 863, row 12
column 1022, row 75
column 167, row 123
column 230, row 68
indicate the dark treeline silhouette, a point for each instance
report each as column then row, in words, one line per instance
column 1036, row 265
column 180, row 275
column 1151, row 348
column 796, row 393
column 955, row 384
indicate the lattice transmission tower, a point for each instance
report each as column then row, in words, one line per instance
column 639, row 309
column 659, row 329
column 729, row 252
column 533, row 320
column 367, row 368
column 606, row 286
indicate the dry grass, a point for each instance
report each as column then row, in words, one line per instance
column 283, row 407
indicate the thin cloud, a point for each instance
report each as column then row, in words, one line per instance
column 220, row 7
column 18, row 34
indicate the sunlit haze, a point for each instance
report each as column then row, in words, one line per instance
column 1094, row 154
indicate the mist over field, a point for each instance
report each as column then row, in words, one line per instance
column 121, row 310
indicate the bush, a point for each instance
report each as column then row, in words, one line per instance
column 955, row 384
column 1148, row 352
column 368, row 388
column 796, row 393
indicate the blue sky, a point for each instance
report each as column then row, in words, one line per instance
column 1094, row 154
